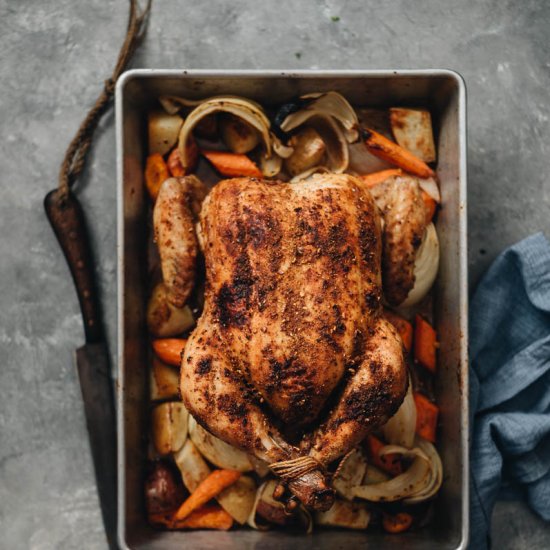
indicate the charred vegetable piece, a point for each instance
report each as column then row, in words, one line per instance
column 397, row 523
column 164, row 491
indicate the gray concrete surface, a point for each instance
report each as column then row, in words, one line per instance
column 53, row 56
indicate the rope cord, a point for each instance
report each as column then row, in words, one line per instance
column 75, row 157
column 295, row 468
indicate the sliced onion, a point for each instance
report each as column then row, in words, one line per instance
column 329, row 104
column 247, row 110
column 265, row 494
column 407, row 484
column 429, row 185
column 309, row 172
column 362, row 161
column 374, row 475
column 400, row 428
column 350, row 473
column 436, row 470
column 426, row 266
column 260, row 467
column 352, row 515
column 216, row 451
column 192, row 466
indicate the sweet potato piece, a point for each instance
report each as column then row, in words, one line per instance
column 156, row 172
column 426, row 417
column 425, row 344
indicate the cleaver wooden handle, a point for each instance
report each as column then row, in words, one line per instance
column 69, row 225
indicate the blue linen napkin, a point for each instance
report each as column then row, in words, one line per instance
column 510, row 384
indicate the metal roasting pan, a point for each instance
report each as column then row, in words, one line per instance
column 443, row 92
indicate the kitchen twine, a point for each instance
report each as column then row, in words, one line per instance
column 295, row 468
column 75, row 157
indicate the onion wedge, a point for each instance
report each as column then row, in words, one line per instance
column 400, row 428
column 216, row 451
column 352, row 515
column 350, row 473
column 408, row 484
column 426, row 266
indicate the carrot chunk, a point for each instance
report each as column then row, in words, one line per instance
column 390, row 463
column 426, row 417
column 430, row 205
column 232, row 164
column 403, row 327
column 425, row 344
column 156, row 172
column 177, row 169
column 387, row 150
column 396, row 523
column 210, row 516
column 169, row 350
column 214, row 484
column 370, row 180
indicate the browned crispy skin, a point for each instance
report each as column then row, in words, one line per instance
column 177, row 206
column 400, row 201
column 292, row 303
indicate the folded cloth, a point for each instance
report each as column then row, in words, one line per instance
column 510, row 384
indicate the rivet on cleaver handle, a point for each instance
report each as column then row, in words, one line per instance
column 68, row 223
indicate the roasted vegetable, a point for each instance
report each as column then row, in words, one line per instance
column 169, row 427
column 352, row 515
column 412, row 129
column 163, row 130
column 309, row 149
column 426, row 417
column 425, row 344
column 217, row 451
column 156, row 172
column 163, row 318
column 386, row 149
column 210, row 487
column 237, row 134
column 164, row 381
column 232, row 164
column 164, row 491
column 169, row 350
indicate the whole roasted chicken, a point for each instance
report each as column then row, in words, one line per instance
column 291, row 359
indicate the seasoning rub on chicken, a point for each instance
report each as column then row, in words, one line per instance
column 291, row 359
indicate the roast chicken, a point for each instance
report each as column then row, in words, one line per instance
column 291, row 360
